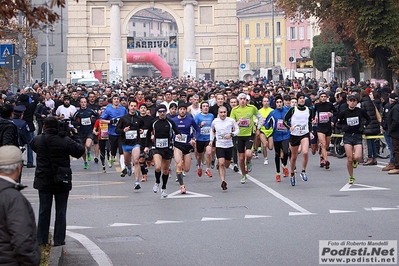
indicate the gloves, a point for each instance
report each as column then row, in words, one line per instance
column 114, row 121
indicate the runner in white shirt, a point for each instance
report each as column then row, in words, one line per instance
column 66, row 110
column 223, row 129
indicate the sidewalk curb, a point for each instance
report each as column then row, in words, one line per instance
column 56, row 256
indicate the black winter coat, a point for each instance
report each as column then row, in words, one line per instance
column 50, row 146
column 393, row 121
column 18, row 245
column 374, row 127
column 8, row 133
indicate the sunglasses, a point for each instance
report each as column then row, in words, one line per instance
column 161, row 111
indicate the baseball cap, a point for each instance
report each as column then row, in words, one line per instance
column 352, row 97
column 10, row 154
column 393, row 96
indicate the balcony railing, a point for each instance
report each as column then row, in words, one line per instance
column 258, row 65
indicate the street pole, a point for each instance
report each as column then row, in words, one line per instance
column 47, row 58
column 21, row 77
column 272, row 30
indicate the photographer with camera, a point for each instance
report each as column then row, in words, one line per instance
column 53, row 176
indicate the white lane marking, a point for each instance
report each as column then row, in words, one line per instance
column 121, row 224
column 300, row 213
column 340, row 211
column 189, row 194
column 279, row 196
column 74, row 227
column 360, row 187
column 380, row 209
column 98, row 255
column 207, row 219
column 167, row 222
column 248, row 216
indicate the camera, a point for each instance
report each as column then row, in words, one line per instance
column 64, row 128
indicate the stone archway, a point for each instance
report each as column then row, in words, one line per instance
column 207, row 35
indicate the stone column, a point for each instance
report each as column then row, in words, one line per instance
column 115, row 28
column 189, row 28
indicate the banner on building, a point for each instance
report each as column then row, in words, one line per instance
column 151, row 42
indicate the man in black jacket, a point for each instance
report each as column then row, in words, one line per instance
column 8, row 130
column 393, row 129
column 53, row 151
column 18, row 244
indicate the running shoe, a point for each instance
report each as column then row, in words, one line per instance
column 285, row 171
column 255, row 155
column 304, row 176
column 129, row 171
column 260, row 150
column 355, row 163
column 235, row 168
column 199, row 172
column 213, row 164
column 155, row 188
column 137, row 185
column 208, row 173
column 164, row 193
column 266, row 161
column 292, row 180
column 104, row 171
column 124, row 172
column 111, row 161
column 183, row 173
column 322, row 162
column 89, row 156
column 109, row 164
column 86, row 165
column 177, row 179
column 249, row 166
column 278, row 177
column 243, row 179
column 182, row 189
column 144, row 178
column 148, row 163
column 327, row 165
column 351, row 180
column 224, row 185
column 95, row 159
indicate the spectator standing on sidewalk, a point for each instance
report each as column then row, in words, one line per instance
column 393, row 129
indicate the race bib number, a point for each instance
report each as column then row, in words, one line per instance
column 131, row 134
column 144, row 134
column 352, row 121
column 323, row 117
column 85, row 121
column 161, row 143
column 244, row 122
column 104, row 131
column 205, row 130
column 183, row 138
column 280, row 125
column 300, row 130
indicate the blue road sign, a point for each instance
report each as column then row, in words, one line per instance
column 5, row 50
column 243, row 66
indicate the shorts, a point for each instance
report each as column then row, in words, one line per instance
column 201, row 146
column 326, row 131
column 225, row 153
column 165, row 153
column 281, row 146
column 185, row 149
column 95, row 140
column 83, row 137
column 296, row 140
column 244, row 143
column 352, row 139
column 129, row 148
column 267, row 133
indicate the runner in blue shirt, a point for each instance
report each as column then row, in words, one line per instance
column 184, row 143
column 204, row 121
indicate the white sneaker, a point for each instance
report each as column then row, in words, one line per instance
column 164, row 193
column 155, row 188
column 184, row 173
column 266, row 161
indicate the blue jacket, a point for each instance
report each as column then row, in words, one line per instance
column 275, row 120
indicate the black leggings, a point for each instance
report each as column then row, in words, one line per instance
column 104, row 145
column 116, row 144
column 278, row 147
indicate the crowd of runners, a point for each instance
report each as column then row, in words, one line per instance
column 147, row 122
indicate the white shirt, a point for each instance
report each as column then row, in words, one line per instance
column 220, row 128
column 67, row 112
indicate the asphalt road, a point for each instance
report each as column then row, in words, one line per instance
column 261, row 222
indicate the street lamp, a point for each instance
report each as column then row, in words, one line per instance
column 272, row 30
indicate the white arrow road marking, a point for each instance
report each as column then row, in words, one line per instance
column 167, row 222
column 380, row 209
column 207, row 219
column 189, row 194
column 256, row 216
column 340, row 211
column 360, row 187
column 300, row 213
column 98, row 255
column 121, row 224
